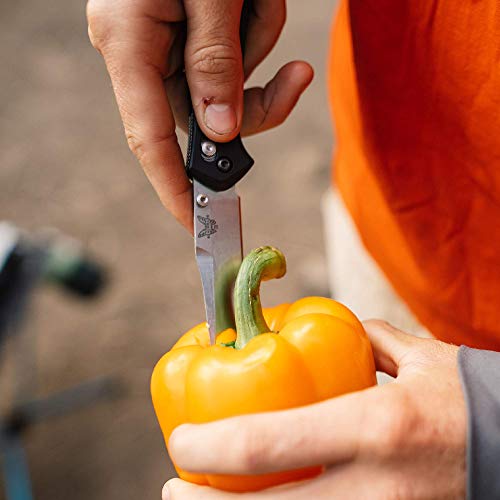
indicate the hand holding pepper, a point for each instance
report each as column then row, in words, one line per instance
column 282, row 357
column 402, row 440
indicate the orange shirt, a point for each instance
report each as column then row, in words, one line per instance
column 415, row 89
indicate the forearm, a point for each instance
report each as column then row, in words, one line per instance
column 480, row 375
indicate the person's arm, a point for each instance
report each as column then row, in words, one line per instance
column 480, row 374
column 153, row 49
column 402, row 440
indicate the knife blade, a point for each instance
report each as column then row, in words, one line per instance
column 218, row 248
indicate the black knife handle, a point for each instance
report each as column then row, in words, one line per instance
column 226, row 162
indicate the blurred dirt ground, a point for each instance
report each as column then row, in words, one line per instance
column 65, row 163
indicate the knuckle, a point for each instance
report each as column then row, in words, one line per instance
column 98, row 22
column 279, row 121
column 436, row 351
column 135, row 145
column 106, row 19
column 93, row 9
column 96, row 13
column 253, row 449
column 378, row 324
column 141, row 147
column 216, row 59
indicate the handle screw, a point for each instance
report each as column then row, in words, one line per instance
column 208, row 149
column 202, row 200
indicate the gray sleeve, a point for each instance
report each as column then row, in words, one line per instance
column 480, row 376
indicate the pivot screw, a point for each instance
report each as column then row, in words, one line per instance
column 224, row 165
column 202, row 200
column 208, row 149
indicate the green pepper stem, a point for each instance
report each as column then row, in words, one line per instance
column 261, row 264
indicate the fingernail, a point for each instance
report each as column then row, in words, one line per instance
column 220, row 118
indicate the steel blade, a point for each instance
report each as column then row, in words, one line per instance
column 218, row 246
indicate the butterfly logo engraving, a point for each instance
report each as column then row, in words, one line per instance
column 209, row 226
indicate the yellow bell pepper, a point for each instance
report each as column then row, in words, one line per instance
column 278, row 358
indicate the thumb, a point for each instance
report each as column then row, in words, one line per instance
column 391, row 347
column 214, row 67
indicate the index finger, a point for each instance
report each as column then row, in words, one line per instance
column 324, row 433
column 150, row 128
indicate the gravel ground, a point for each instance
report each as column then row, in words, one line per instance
column 65, row 163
